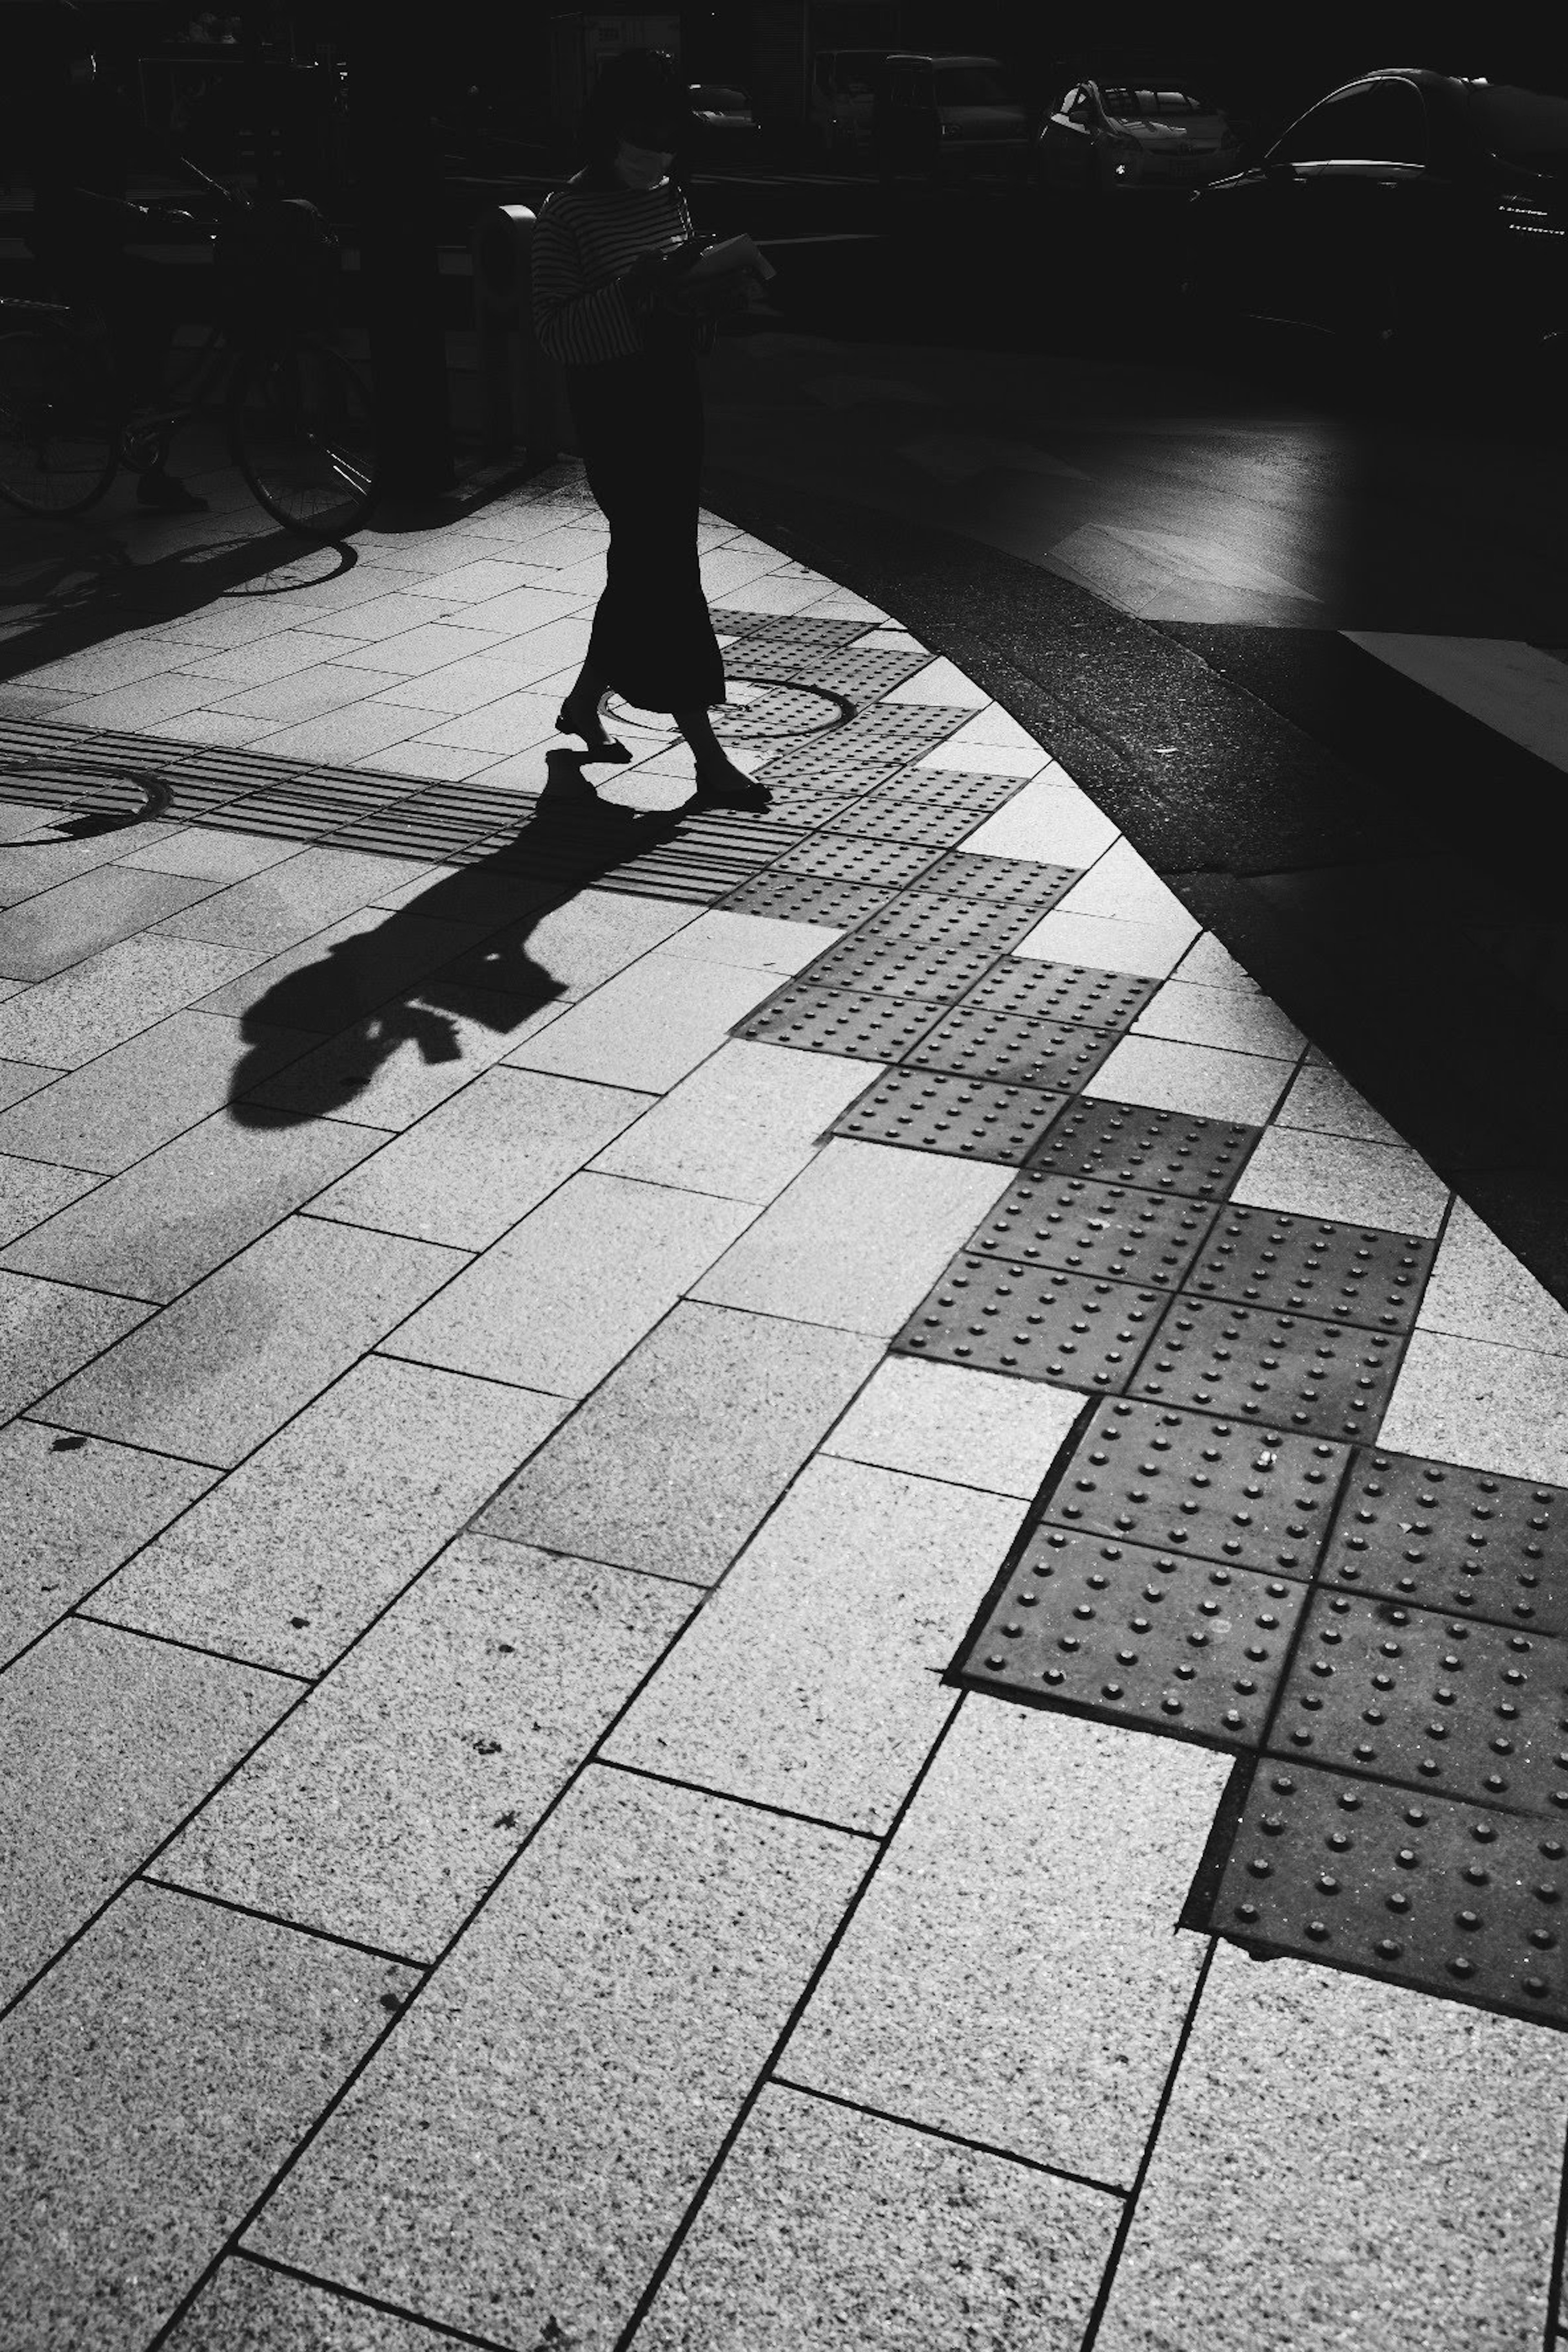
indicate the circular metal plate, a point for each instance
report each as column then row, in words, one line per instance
column 757, row 709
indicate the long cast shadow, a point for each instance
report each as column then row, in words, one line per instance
column 393, row 986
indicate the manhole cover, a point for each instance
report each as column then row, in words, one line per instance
column 79, row 800
column 757, row 710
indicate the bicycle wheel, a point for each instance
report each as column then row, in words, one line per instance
column 301, row 428
column 60, row 423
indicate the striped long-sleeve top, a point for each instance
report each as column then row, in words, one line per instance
column 588, row 233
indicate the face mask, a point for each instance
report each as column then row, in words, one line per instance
column 641, row 167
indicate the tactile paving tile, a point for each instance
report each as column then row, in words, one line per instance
column 848, row 857
column 940, row 973
column 1441, row 1537
column 1189, row 1483
column 791, row 632
column 1447, row 1897
column 1087, row 1227
column 873, row 747
column 964, row 1117
column 1441, row 1702
column 1004, row 881
column 1138, row 1635
column 1159, row 1150
column 1063, row 992
column 865, row 673
column 926, row 811
column 1037, row 1321
column 839, row 1021
column 806, row 898
column 1015, row 1050
column 1288, row 1370
column 1304, row 1266
column 922, row 918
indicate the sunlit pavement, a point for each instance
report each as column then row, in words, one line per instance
column 496, row 1855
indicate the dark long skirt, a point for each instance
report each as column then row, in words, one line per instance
column 640, row 430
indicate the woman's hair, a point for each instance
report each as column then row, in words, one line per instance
column 635, row 86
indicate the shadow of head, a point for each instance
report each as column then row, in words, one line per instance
column 457, row 951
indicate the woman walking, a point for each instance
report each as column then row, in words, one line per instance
column 627, row 332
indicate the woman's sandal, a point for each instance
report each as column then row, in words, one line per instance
column 599, row 746
column 734, row 790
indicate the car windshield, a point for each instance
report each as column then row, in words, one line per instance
column 970, row 86
column 709, row 98
column 1524, row 126
column 1126, row 105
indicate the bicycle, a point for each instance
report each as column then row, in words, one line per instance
column 300, row 422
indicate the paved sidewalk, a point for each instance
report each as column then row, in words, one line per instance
column 545, row 1342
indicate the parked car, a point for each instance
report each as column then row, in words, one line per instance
column 1407, row 209
column 948, row 116
column 1107, row 137
column 842, row 103
column 726, row 125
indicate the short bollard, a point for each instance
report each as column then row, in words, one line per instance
column 513, row 371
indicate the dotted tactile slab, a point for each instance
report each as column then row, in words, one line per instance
column 1015, row 1050
column 964, row 1117
column 1087, row 1227
column 839, row 1021
column 938, row 812
column 1430, row 1702
column 1063, row 991
column 1035, row 1321
column 901, row 968
column 1286, row 1370
column 1187, row 1482
column 870, row 749
column 1447, row 1897
column 852, row 857
column 1004, row 881
column 1138, row 1635
column 805, row 899
column 1305, row 1265
column 792, row 632
column 1470, row 1542
column 922, row 918
column 1159, row 1150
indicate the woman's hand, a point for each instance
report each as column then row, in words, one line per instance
column 708, row 297
column 643, row 284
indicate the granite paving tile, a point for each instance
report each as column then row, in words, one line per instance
column 670, row 1465
column 122, row 661
column 152, row 2085
column 1487, row 1406
column 75, row 1513
column 338, row 735
column 298, row 1550
column 585, row 939
column 1051, row 821
column 809, row 1681
column 1203, row 1079
column 338, row 975
column 1479, row 1290
column 278, row 657
column 210, row 855
column 827, row 2228
column 944, row 1420
column 758, row 941
column 1344, row 2162
column 288, row 903
column 743, row 1124
column 1037, row 1875
column 1322, row 1099
column 391, row 1069
column 394, row 1798
column 38, row 860
column 136, row 705
column 558, row 1301
column 106, row 1743
column 482, row 1160
column 315, row 691
column 581, row 2055
column 1208, row 964
column 428, row 646
column 858, row 1239
column 1150, row 950
column 226, row 1364
column 1236, row 1021
column 247, row 2307
column 47, row 1329
column 140, row 1094
column 650, row 1025
column 19, row 1079
column 1339, row 1177
column 46, row 935
column 97, row 1004
column 31, row 1191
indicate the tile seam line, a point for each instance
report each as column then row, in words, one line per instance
column 952, row 2138
column 735, row 1797
column 698, row 2198
column 231, row 2243
column 259, row 2260
column 147, row 1877
column 77, row 1615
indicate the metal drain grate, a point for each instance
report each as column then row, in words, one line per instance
column 1136, row 1635
column 1282, row 1369
column 1087, row 1227
column 1043, row 1324
column 839, row 1021
column 963, row 1117
column 1447, row 1897
column 1189, row 1483
column 1470, row 1541
column 1304, row 1266
column 1014, row 1050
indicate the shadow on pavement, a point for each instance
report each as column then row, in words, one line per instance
column 371, row 995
